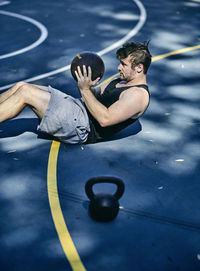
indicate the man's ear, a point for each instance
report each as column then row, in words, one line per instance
column 139, row 68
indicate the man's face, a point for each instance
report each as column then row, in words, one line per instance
column 125, row 69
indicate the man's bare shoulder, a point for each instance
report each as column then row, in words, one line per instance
column 135, row 91
column 135, row 97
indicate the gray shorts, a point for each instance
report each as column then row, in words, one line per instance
column 65, row 118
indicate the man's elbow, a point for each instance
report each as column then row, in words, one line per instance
column 104, row 122
column 104, row 119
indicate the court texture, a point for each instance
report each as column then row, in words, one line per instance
column 45, row 223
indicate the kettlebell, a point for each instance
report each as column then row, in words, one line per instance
column 104, row 207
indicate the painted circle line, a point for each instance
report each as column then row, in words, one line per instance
column 56, row 211
column 4, row 3
column 133, row 32
column 42, row 28
column 54, row 202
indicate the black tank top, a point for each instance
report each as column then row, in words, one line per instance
column 110, row 95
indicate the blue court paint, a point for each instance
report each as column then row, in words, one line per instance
column 42, row 28
column 141, row 20
column 158, row 225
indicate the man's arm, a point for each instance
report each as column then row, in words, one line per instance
column 132, row 102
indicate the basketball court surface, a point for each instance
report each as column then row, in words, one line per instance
column 45, row 223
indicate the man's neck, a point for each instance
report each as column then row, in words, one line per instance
column 136, row 81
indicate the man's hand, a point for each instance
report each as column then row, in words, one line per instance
column 85, row 79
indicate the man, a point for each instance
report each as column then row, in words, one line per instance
column 102, row 111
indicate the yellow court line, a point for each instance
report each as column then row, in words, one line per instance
column 155, row 58
column 56, row 211
column 61, row 228
column 184, row 50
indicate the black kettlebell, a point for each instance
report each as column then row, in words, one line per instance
column 104, row 207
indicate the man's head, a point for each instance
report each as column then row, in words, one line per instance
column 137, row 53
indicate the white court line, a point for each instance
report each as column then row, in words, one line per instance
column 43, row 36
column 4, row 3
column 133, row 32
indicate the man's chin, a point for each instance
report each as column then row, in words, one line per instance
column 121, row 77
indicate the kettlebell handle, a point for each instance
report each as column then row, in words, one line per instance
column 103, row 179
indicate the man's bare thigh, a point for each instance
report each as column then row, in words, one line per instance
column 37, row 98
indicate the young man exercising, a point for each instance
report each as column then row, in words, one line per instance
column 102, row 112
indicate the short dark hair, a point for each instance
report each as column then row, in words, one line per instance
column 138, row 51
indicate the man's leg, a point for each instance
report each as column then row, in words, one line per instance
column 5, row 95
column 15, row 99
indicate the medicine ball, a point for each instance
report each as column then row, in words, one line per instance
column 88, row 59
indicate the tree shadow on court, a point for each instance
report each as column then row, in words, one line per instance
column 160, row 165
column 26, row 225
column 16, row 127
column 28, row 236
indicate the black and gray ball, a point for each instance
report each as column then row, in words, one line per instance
column 88, row 59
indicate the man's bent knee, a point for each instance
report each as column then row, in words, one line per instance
column 19, row 84
column 35, row 97
column 23, row 91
